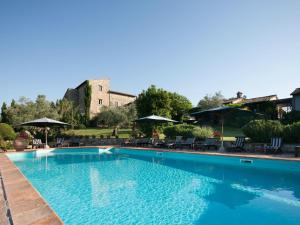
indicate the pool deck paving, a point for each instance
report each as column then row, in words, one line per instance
column 27, row 207
column 3, row 208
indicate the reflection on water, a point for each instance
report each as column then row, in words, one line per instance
column 123, row 189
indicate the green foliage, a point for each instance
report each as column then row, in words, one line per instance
column 7, row 132
column 97, row 132
column 268, row 109
column 263, row 130
column 179, row 106
column 211, row 101
column 235, row 105
column 202, row 132
column 87, row 102
column 116, row 116
column 26, row 110
column 4, row 117
column 111, row 117
column 154, row 101
column 68, row 113
column 291, row 117
column 291, row 133
column 187, row 131
column 6, row 144
column 160, row 102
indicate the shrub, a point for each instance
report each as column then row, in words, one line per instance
column 188, row 131
column 7, row 132
column 263, row 130
column 202, row 132
column 178, row 130
column 291, row 117
column 5, row 144
column 291, row 133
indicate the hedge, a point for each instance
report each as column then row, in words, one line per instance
column 188, row 131
column 7, row 132
column 264, row 130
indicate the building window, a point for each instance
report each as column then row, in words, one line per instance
column 100, row 88
column 100, row 101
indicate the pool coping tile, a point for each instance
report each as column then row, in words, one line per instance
column 26, row 205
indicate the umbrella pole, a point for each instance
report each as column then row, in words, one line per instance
column 46, row 133
column 221, row 149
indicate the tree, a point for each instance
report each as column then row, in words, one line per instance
column 44, row 108
column 13, row 103
column 211, row 101
column 25, row 110
column 154, row 101
column 111, row 117
column 87, row 102
column 68, row 113
column 162, row 103
column 7, row 132
column 180, row 105
column 4, row 116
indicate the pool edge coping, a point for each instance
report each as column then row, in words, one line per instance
column 8, row 166
column 187, row 151
column 26, row 204
column 224, row 154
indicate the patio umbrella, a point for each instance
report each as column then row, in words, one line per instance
column 155, row 119
column 221, row 111
column 45, row 122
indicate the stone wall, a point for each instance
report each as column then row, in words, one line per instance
column 296, row 102
column 81, row 97
column 100, row 91
column 100, row 96
column 120, row 100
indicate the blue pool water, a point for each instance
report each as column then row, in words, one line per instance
column 146, row 187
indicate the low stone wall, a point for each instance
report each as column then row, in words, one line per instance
column 286, row 148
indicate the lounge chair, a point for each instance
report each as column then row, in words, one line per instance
column 175, row 143
column 157, row 143
column 275, row 146
column 238, row 144
column 190, row 142
column 37, row 143
column 144, row 142
column 60, row 142
column 209, row 143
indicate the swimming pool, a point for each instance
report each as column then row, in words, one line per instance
column 150, row 187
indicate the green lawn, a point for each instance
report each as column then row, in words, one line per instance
column 123, row 133
column 230, row 132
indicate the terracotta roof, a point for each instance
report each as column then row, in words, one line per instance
column 284, row 101
column 121, row 93
column 260, row 99
column 296, row 92
column 230, row 100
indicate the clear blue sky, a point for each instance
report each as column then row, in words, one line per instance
column 193, row 47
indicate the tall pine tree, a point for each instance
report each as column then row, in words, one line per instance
column 4, row 117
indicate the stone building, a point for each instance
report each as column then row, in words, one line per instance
column 101, row 95
column 296, row 99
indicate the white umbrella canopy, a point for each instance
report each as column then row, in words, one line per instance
column 154, row 118
column 45, row 122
